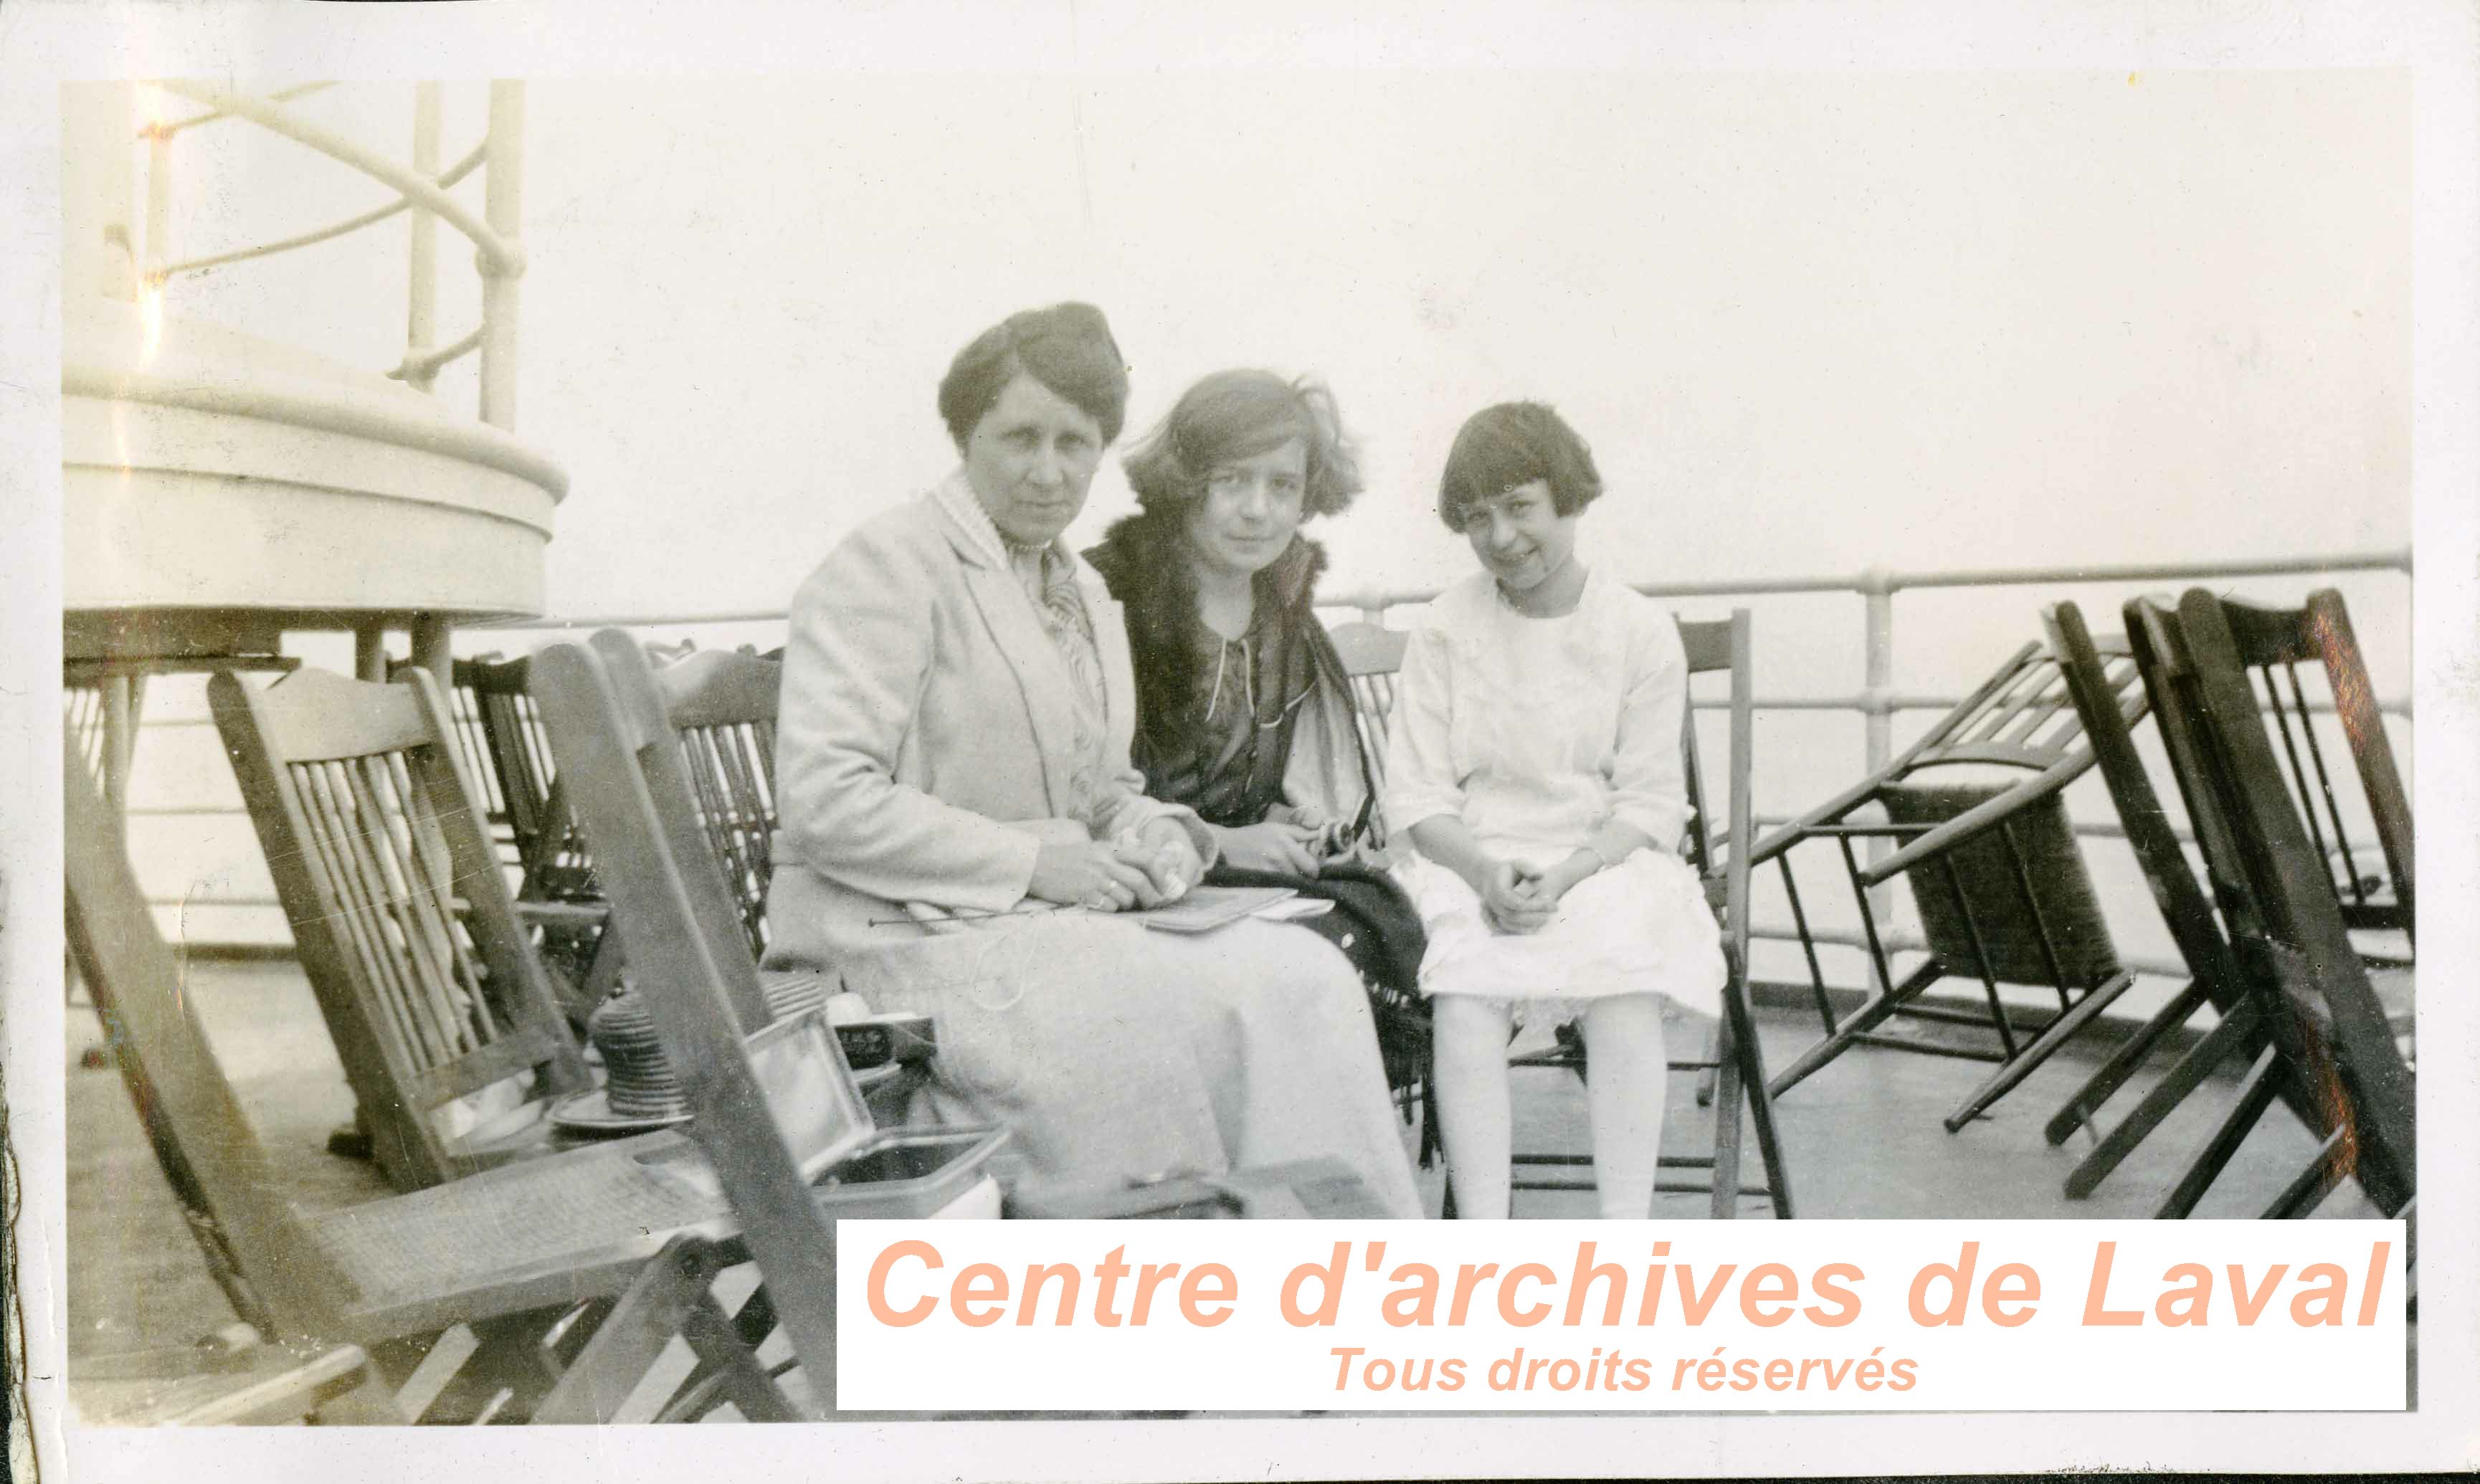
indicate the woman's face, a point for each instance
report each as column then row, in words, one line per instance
column 1031, row 460
column 1520, row 537
column 1250, row 509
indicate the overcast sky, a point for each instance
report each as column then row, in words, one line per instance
column 1809, row 323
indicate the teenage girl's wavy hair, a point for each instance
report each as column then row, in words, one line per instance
column 1236, row 415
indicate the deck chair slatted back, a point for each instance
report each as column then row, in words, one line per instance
column 722, row 706
column 2022, row 718
column 2291, row 926
column 1372, row 656
column 619, row 752
column 519, row 779
column 403, row 921
column 2272, row 644
column 1994, row 870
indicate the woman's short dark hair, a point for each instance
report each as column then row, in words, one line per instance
column 1511, row 444
column 1067, row 347
column 1237, row 414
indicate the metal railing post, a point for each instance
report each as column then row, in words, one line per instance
column 502, row 189
column 1878, row 698
column 422, row 263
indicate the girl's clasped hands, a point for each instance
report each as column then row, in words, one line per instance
column 1519, row 898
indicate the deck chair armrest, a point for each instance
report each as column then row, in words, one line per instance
column 1806, row 826
column 1980, row 819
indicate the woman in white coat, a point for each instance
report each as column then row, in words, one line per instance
column 960, row 822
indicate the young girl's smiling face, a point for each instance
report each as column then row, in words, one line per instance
column 1520, row 537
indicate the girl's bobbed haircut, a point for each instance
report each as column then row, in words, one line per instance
column 1237, row 414
column 1067, row 347
column 1513, row 444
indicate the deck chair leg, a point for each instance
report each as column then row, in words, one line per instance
column 2236, row 1029
column 1859, row 1023
column 479, row 1373
column 2053, row 1036
column 728, row 1368
column 367, row 1405
column 2256, row 1096
column 1746, row 1057
column 2122, row 1063
column 1724, row 1200
column 1708, row 1075
column 728, row 1371
column 2309, row 1188
column 645, row 1320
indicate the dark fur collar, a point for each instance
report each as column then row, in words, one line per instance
column 1143, row 560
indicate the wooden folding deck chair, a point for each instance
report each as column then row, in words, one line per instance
column 404, row 923
column 2096, row 671
column 522, row 1262
column 1372, row 656
column 628, row 778
column 1734, row 1056
column 723, row 705
column 2002, row 888
column 2320, row 1029
column 499, row 735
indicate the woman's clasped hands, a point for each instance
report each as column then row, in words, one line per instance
column 1141, row 868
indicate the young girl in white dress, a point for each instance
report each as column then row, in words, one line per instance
column 1535, row 762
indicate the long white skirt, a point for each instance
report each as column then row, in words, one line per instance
column 1641, row 928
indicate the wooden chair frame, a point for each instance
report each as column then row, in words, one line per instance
column 1372, row 656
column 2019, row 719
column 723, row 705
column 2095, row 669
column 512, row 1253
column 503, row 735
column 618, row 750
column 404, row 925
column 2318, row 1027
column 1735, row 1057
column 2217, row 977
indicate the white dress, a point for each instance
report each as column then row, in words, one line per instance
column 1536, row 733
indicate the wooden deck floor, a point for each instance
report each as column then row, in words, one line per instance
column 1862, row 1138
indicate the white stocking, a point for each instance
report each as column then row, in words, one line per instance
column 1468, row 1048
column 1628, row 1066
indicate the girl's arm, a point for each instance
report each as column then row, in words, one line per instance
column 1422, row 788
column 1421, row 777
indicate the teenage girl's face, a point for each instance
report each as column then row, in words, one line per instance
column 1250, row 509
column 1031, row 460
column 1520, row 536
